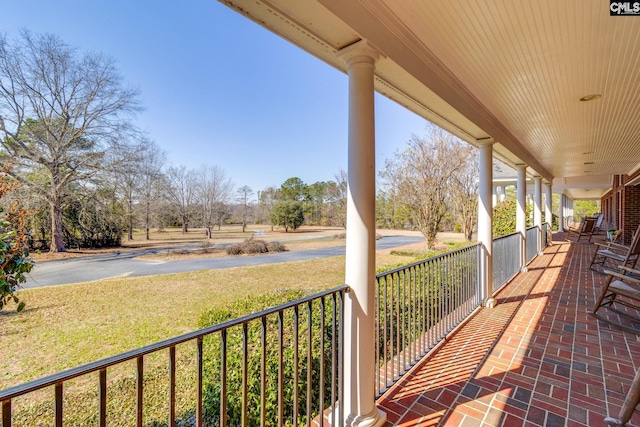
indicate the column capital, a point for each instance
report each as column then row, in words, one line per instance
column 485, row 142
column 521, row 166
column 360, row 51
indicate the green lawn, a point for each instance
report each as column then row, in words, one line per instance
column 65, row 326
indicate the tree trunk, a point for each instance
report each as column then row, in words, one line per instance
column 185, row 225
column 57, row 242
column 146, row 221
column 130, row 215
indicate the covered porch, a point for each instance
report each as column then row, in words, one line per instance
column 537, row 359
column 482, row 71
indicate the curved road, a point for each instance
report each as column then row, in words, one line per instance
column 85, row 269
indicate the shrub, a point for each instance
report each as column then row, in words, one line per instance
column 276, row 247
column 234, row 358
column 504, row 218
column 14, row 256
column 234, row 250
column 251, row 246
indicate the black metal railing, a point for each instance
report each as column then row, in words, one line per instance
column 546, row 235
column 418, row 305
column 280, row 366
column 532, row 244
column 506, row 259
column 284, row 365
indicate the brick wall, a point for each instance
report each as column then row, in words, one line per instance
column 621, row 206
column 631, row 212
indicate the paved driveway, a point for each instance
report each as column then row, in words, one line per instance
column 85, row 269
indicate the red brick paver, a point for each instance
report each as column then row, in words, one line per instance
column 537, row 359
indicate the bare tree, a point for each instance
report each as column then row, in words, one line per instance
column 59, row 113
column 337, row 198
column 245, row 192
column 128, row 180
column 267, row 200
column 464, row 189
column 422, row 176
column 182, row 193
column 152, row 182
column 213, row 192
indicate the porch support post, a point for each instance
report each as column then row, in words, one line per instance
column 561, row 213
column 521, row 219
column 485, row 221
column 537, row 208
column 548, row 200
column 571, row 209
column 495, row 195
column 359, row 323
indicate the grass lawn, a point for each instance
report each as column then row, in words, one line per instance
column 65, row 326
column 69, row 325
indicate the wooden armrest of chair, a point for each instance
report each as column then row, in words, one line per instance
column 616, row 247
column 621, row 276
column 635, row 273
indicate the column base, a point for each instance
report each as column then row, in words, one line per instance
column 524, row 269
column 376, row 419
column 490, row 303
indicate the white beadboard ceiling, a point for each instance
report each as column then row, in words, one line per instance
column 509, row 70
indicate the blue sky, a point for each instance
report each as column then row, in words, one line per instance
column 219, row 89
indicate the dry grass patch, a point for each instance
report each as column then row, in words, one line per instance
column 66, row 326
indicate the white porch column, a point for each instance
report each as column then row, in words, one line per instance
column 495, row 193
column 537, row 207
column 548, row 200
column 537, row 201
column 485, row 221
column 561, row 213
column 571, row 208
column 502, row 193
column 521, row 219
column 359, row 361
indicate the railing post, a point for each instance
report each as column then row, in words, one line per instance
column 485, row 221
column 359, row 362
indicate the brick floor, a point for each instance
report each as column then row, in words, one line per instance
column 536, row 359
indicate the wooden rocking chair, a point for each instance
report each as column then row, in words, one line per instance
column 629, row 405
column 626, row 284
column 585, row 228
column 626, row 256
